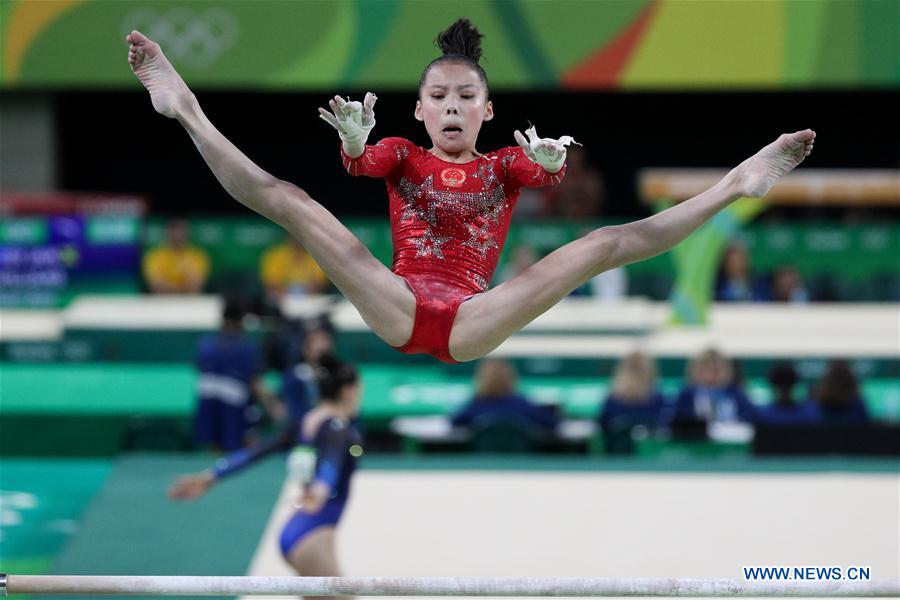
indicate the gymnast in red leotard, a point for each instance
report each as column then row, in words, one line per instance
column 450, row 206
column 448, row 221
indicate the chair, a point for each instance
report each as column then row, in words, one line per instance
column 505, row 434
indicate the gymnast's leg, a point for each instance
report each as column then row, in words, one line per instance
column 315, row 555
column 488, row 319
column 382, row 298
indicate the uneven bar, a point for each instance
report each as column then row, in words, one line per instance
column 438, row 586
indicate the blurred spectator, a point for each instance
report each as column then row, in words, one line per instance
column 735, row 282
column 581, row 193
column 175, row 266
column 288, row 269
column 633, row 400
column 787, row 287
column 784, row 410
column 298, row 384
column 496, row 397
column 711, row 394
column 229, row 384
column 837, row 395
column 523, row 257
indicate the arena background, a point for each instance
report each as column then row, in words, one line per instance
column 97, row 379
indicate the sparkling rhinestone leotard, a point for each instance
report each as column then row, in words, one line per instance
column 448, row 223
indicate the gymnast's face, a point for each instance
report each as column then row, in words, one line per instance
column 453, row 104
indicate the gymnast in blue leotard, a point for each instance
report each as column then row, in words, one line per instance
column 329, row 429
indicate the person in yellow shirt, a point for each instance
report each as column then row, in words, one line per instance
column 288, row 269
column 175, row 266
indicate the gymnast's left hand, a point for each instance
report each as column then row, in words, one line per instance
column 191, row 487
column 547, row 152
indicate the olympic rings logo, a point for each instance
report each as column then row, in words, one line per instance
column 195, row 39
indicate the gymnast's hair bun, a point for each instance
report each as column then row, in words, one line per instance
column 461, row 39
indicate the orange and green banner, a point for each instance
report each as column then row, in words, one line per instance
column 529, row 44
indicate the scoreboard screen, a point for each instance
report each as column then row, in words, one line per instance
column 53, row 247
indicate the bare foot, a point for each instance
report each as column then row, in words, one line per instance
column 168, row 92
column 756, row 175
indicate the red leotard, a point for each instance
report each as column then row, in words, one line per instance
column 448, row 223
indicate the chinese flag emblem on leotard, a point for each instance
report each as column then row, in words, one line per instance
column 453, row 177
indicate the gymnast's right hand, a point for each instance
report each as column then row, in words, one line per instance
column 191, row 487
column 352, row 120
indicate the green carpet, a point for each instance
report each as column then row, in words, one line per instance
column 42, row 502
column 132, row 528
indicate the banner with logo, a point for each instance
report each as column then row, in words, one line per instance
column 378, row 44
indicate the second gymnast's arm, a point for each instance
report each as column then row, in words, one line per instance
column 240, row 459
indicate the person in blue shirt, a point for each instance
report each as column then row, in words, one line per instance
column 634, row 398
column 308, row 539
column 298, row 382
column 711, row 393
column 837, row 396
column 496, row 396
column 229, row 384
column 784, row 410
column 735, row 281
